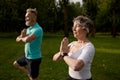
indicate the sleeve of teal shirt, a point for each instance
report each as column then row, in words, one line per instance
column 37, row 32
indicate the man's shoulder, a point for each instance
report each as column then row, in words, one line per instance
column 37, row 26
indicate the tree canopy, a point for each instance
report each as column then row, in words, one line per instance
column 56, row 16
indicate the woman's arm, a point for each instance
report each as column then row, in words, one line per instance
column 63, row 48
column 75, row 64
column 57, row 57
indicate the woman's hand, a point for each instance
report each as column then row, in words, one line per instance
column 63, row 49
column 64, row 46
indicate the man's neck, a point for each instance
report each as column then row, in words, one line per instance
column 33, row 24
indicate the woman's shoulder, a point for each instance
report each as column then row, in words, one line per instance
column 89, row 45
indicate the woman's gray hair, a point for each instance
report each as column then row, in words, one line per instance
column 84, row 22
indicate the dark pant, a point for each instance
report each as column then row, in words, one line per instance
column 70, row 78
column 33, row 65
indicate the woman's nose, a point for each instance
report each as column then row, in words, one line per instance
column 73, row 29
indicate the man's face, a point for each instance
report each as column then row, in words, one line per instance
column 29, row 18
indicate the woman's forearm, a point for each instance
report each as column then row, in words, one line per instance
column 57, row 57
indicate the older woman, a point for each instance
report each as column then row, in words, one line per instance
column 78, row 55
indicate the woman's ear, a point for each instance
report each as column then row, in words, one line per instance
column 83, row 27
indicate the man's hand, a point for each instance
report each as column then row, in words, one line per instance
column 23, row 33
column 18, row 39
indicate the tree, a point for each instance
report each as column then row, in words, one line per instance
column 115, row 18
column 64, row 6
column 111, row 21
column 90, row 9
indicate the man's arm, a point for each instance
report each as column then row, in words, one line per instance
column 22, row 35
column 28, row 38
column 18, row 39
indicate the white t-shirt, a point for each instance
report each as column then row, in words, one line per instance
column 85, row 53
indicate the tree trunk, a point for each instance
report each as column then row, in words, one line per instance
column 113, row 25
column 66, row 32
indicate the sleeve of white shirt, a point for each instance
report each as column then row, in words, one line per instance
column 87, row 53
column 71, row 44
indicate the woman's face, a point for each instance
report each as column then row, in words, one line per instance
column 78, row 30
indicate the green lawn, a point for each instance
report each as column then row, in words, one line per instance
column 106, row 65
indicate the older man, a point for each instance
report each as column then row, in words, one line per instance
column 32, row 36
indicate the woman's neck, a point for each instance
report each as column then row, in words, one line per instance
column 83, row 40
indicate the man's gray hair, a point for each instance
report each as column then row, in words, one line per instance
column 32, row 10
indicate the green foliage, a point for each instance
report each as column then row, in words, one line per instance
column 90, row 8
column 105, row 65
column 104, row 13
column 50, row 14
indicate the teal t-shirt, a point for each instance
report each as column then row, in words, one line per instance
column 33, row 48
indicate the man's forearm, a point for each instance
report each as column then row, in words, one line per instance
column 18, row 39
column 24, row 39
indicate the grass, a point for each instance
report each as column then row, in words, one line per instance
column 106, row 65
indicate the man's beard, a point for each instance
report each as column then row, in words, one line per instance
column 29, row 23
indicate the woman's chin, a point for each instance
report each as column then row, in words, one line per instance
column 75, row 36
